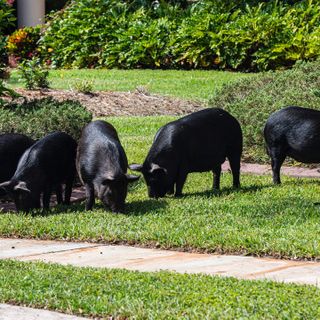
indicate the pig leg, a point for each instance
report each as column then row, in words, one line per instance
column 46, row 198
column 58, row 190
column 68, row 191
column 234, row 161
column 181, row 179
column 277, row 159
column 89, row 196
column 171, row 189
column 216, row 177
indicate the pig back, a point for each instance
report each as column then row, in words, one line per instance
column 52, row 158
column 12, row 147
column 200, row 140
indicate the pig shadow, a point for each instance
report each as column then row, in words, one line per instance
column 139, row 207
column 226, row 191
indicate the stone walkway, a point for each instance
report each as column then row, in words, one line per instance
column 8, row 312
column 143, row 259
column 261, row 169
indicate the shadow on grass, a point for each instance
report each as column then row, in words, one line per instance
column 131, row 208
column 227, row 191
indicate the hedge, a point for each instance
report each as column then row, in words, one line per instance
column 238, row 35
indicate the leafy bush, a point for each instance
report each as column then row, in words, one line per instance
column 6, row 92
column 83, row 86
column 7, row 20
column 251, row 100
column 39, row 117
column 34, row 74
column 23, row 42
column 240, row 35
column 109, row 33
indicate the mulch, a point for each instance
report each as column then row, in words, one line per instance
column 109, row 103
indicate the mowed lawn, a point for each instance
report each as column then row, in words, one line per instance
column 121, row 294
column 193, row 84
column 258, row 219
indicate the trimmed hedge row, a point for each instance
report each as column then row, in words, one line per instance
column 239, row 35
column 252, row 100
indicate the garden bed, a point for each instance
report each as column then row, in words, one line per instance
column 109, row 103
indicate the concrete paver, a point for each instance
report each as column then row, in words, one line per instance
column 18, row 248
column 262, row 169
column 144, row 259
column 9, row 312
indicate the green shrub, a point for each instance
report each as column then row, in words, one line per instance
column 39, row 117
column 110, row 34
column 240, row 35
column 251, row 100
column 83, row 86
column 22, row 43
column 7, row 21
column 34, row 74
column 7, row 93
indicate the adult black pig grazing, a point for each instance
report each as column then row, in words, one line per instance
column 198, row 142
column 44, row 167
column 102, row 166
column 12, row 147
column 294, row 132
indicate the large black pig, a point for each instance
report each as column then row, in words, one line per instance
column 198, row 142
column 12, row 147
column 102, row 166
column 43, row 168
column 294, row 132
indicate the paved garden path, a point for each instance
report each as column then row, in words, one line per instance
column 83, row 254
column 9, row 312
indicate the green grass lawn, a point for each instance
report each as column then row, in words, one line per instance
column 258, row 219
column 195, row 84
column 124, row 294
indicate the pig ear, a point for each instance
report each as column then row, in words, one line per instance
column 6, row 186
column 21, row 186
column 136, row 167
column 132, row 178
column 156, row 168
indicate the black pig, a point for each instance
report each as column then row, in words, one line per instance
column 12, row 147
column 294, row 132
column 44, row 167
column 102, row 166
column 198, row 142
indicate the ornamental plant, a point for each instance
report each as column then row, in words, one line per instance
column 247, row 35
column 7, row 20
column 34, row 74
column 22, row 43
